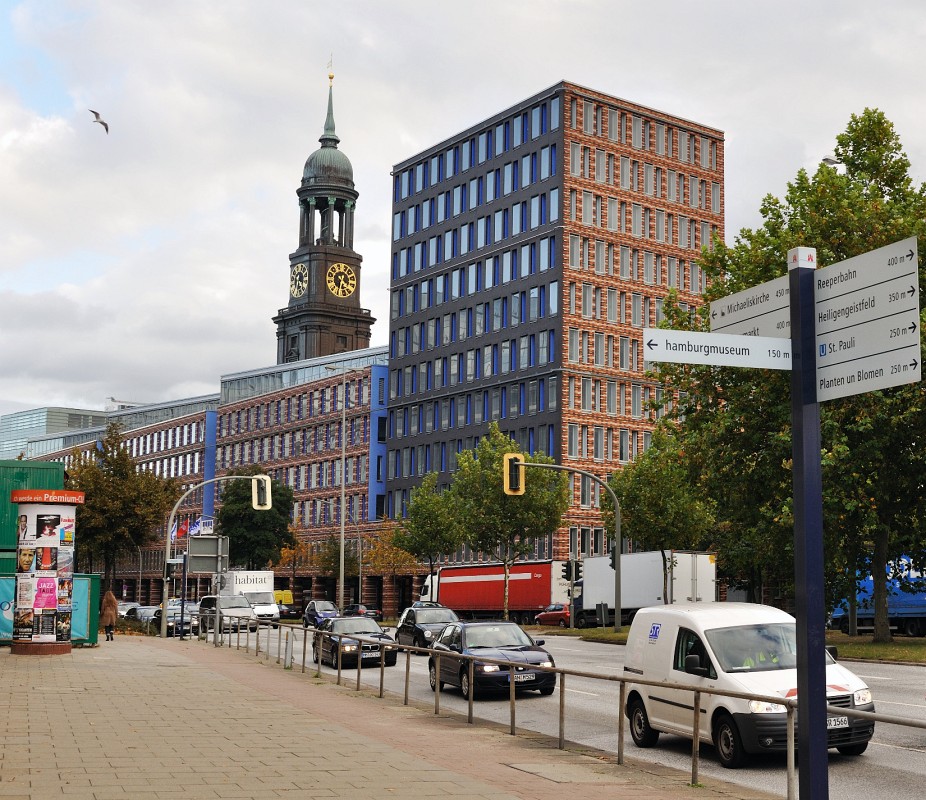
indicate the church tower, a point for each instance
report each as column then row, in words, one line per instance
column 323, row 315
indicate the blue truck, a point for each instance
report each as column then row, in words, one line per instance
column 906, row 602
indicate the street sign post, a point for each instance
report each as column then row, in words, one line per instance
column 718, row 349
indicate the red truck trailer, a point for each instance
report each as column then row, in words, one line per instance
column 477, row 591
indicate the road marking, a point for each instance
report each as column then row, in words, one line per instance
column 894, row 703
column 898, row 747
column 579, row 691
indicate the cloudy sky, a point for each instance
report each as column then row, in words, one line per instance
column 145, row 263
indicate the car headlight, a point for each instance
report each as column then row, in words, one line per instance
column 762, row 707
column 488, row 667
column 348, row 648
column 862, row 697
column 547, row 663
column 428, row 635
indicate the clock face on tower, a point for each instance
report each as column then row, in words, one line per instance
column 341, row 280
column 298, row 280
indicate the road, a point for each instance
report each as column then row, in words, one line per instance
column 894, row 765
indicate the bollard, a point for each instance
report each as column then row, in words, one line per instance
column 305, row 644
column 511, row 695
column 562, row 711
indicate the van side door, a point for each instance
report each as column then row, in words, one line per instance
column 679, row 706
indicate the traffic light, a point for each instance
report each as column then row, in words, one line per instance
column 260, row 492
column 513, row 473
column 577, row 570
column 614, row 556
column 567, row 571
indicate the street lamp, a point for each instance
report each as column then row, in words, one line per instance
column 344, row 372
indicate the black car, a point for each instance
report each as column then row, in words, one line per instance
column 419, row 627
column 343, row 632
column 360, row 610
column 500, row 641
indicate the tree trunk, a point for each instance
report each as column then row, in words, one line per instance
column 882, row 634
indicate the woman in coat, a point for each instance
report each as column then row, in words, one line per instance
column 109, row 613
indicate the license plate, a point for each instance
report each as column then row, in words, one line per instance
column 837, row 722
column 370, row 655
column 524, row 677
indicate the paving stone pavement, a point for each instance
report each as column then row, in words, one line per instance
column 149, row 718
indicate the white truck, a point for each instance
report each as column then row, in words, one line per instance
column 257, row 588
column 692, row 577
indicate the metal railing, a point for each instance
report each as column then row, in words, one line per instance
column 287, row 644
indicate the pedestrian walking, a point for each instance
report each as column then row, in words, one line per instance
column 109, row 613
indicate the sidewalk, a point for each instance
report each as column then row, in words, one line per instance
column 149, row 718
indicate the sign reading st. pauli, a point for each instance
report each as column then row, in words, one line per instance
column 44, row 567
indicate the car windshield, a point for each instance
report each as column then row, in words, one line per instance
column 324, row 605
column 259, row 598
column 238, row 601
column 497, row 636
column 428, row 615
column 358, row 625
column 751, row 648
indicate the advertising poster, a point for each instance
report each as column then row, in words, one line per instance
column 7, row 606
column 23, row 624
column 65, row 562
column 46, row 528
column 25, row 560
column 46, row 593
column 45, row 628
column 46, row 559
column 63, row 630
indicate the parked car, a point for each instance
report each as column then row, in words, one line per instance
column 316, row 611
column 142, row 613
column 190, row 625
column 343, row 630
column 500, row 641
column 124, row 608
column 554, row 614
column 360, row 610
column 235, row 609
column 421, row 626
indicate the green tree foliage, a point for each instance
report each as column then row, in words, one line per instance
column 661, row 507
column 255, row 538
column 329, row 558
column 429, row 532
column 124, row 508
column 502, row 526
column 737, row 431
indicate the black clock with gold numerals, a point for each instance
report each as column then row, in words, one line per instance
column 341, row 280
column 298, row 280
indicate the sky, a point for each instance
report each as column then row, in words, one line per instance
column 145, row 263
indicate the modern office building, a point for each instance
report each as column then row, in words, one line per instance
column 529, row 252
column 17, row 428
column 290, row 419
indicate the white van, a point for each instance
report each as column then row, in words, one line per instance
column 741, row 647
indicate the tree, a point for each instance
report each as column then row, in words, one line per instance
column 297, row 556
column 736, row 429
column 429, row 532
column 255, row 538
column 505, row 527
column 661, row 507
column 123, row 508
column 386, row 556
column 329, row 558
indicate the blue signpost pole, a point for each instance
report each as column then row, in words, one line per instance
column 813, row 778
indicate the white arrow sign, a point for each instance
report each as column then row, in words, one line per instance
column 868, row 322
column 718, row 349
column 763, row 310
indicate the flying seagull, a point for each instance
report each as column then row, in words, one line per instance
column 99, row 119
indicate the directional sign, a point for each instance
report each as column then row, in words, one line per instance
column 718, row 349
column 763, row 310
column 868, row 322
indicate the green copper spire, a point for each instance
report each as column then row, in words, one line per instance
column 329, row 138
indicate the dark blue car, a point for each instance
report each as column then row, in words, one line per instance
column 499, row 641
column 316, row 611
